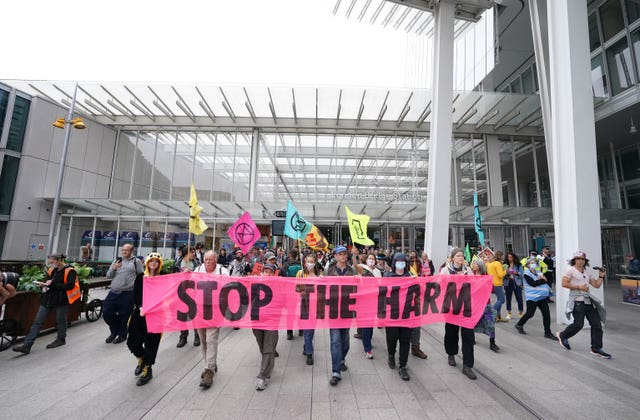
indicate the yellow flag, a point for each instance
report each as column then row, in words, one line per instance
column 358, row 228
column 196, row 225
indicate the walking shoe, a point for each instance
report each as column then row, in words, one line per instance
column 451, row 360
column 289, row 335
column 309, row 359
column 139, row 367
column 368, row 355
column 343, row 367
column 110, row 339
column 196, row 340
column 549, row 336
column 392, row 362
column 520, row 314
column 207, row 379
column 335, row 379
column 494, row 347
column 147, row 375
column 601, row 353
column 508, row 316
column 56, row 343
column 468, row 372
column 236, row 328
column 261, row 384
column 520, row 329
column 300, row 333
column 501, row 319
column 402, row 371
column 563, row 341
column 119, row 339
column 358, row 336
column 23, row 348
column 415, row 350
column 182, row 341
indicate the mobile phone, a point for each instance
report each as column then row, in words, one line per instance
column 119, row 259
column 599, row 268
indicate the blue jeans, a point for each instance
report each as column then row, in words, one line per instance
column 367, row 334
column 308, row 341
column 61, row 321
column 339, row 338
column 499, row 292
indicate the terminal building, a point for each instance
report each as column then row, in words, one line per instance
column 245, row 148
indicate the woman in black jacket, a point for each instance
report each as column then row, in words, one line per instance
column 58, row 290
column 399, row 334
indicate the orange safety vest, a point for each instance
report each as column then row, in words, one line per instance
column 73, row 294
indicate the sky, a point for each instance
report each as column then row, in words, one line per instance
column 232, row 42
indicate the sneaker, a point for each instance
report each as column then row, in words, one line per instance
column 520, row 329
column 196, row 340
column 468, row 372
column 563, row 341
column 343, row 367
column 520, row 314
column 23, row 348
column 120, row 339
column 392, row 362
column 309, row 359
column 357, row 336
column 508, row 316
column 110, row 339
column 289, row 335
column 501, row 319
column 139, row 367
column 56, row 343
column 402, row 371
column 494, row 347
column 147, row 375
column 416, row 351
column 368, row 355
column 261, row 384
column 335, row 379
column 182, row 341
column 549, row 336
column 451, row 360
column 601, row 353
column 207, row 379
column 300, row 333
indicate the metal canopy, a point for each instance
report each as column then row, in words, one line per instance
column 277, row 109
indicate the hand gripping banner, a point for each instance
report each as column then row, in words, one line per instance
column 188, row 300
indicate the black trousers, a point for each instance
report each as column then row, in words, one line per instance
column 403, row 335
column 580, row 311
column 141, row 342
column 451, row 342
column 543, row 305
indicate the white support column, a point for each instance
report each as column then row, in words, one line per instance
column 494, row 175
column 439, row 180
column 253, row 165
column 573, row 142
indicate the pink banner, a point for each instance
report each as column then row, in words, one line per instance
column 244, row 232
column 190, row 300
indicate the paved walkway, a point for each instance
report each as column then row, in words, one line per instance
column 532, row 377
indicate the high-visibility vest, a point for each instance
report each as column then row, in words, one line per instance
column 73, row 294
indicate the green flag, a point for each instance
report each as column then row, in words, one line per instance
column 467, row 253
column 295, row 226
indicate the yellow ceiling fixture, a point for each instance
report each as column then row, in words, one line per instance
column 59, row 123
column 76, row 123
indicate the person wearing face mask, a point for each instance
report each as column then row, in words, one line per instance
column 458, row 267
column 399, row 334
column 310, row 269
column 267, row 342
column 536, row 294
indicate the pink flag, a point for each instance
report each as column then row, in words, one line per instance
column 244, row 232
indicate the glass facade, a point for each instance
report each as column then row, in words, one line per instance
column 8, row 179
column 18, row 124
column 4, row 100
column 611, row 18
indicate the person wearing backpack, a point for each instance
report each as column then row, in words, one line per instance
column 60, row 289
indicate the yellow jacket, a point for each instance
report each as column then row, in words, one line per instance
column 497, row 271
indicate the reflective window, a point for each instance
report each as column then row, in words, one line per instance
column 598, row 78
column 18, row 124
column 620, row 68
column 4, row 99
column 611, row 18
column 635, row 41
column 515, row 86
column 8, row 182
column 594, row 36
column 633, row 10
column 527, row 81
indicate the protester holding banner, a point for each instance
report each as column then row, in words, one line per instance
column 309, row 270
column 399, row 334
column 267, row 342
column 415, row 269
column 451, row 331
column 209, row 336
column 188, row 263
column 143, row 344
column 367, row 268
column 339, row 337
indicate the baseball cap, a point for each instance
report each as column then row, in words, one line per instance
column 340, row 249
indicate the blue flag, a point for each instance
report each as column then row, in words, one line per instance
column 477, row 219
column 295, row 226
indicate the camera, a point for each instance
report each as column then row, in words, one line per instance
column 599, row 268
column 9, row 278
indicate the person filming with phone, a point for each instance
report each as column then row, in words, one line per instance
column 8, row 283
column 59, row 289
